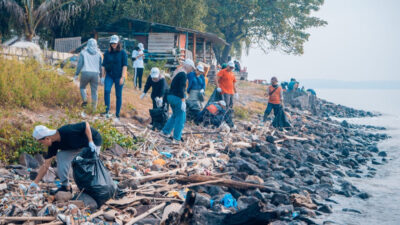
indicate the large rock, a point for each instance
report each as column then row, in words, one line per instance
column 63, row 196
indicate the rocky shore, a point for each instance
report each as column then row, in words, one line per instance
column 252, row 175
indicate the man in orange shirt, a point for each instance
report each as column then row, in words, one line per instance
column 226, row 84
column 275, row 98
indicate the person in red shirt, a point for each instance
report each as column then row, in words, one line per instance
column 226, row 84
column 275, row 98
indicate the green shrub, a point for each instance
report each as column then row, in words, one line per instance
column 241, row 112
column 29, row 85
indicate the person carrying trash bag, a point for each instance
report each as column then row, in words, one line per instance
column 226, row 84
column 275, row 98
column 159, row 113
column 159, row 87
column 65, row 143
column 195, row 89
column 176, row 98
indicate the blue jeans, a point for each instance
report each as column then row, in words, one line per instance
column 269, row 108
column 108, row 83
column 177, row 119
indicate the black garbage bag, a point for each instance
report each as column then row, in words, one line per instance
column 92, row 177
column 280, row 119
column 159, row 117
column 193, row 108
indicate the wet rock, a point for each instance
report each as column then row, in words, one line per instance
column 364, row 195
column 203, row 200
column 278, row 199
column 117, row 150
column 87, row 200
column 351, row 210
column 243, row 202
column 110, row 215
column 270, row 139
column 325, row 209
column 382, row 154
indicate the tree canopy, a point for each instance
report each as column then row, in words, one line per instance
column 268, row 24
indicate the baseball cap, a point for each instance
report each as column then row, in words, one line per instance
column 114, row 39
column 155, row 72
column 189, row 62
column 41, row 132
column 231, row 64
column 200, row 68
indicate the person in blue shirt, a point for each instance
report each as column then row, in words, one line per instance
column 114, row 71
column 197, row 82
column 291, row 84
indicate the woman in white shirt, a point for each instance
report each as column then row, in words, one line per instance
column 138, row 65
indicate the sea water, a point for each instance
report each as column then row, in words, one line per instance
column 383, row 207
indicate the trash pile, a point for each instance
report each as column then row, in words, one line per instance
column 254, row 174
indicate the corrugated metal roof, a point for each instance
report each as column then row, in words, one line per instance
column 67, row 44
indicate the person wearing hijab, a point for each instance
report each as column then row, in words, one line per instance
column 89, row 66
column 138, row 65
column 275, row 98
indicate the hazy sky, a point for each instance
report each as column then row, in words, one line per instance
column 360, row 42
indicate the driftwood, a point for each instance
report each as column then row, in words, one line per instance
column 142, row 216
column 222, row 182
column 28, row 218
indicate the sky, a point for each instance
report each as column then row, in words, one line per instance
column 360, row 43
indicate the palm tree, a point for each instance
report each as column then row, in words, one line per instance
column 34, row 13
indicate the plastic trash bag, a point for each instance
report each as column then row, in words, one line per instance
column 92, row 177
column 229, row 201
column 280, row 119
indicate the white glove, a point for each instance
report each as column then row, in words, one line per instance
column 219, row 89
column 102, row 81
column 183, row 106
column 236, row 96
column 159, row 101
column 92, row 146
column 142, row 95
column 33, row 185
column 202, row 91
column 76, row 78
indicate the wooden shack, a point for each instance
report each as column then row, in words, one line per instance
column 165, row 42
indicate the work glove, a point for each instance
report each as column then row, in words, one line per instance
column 219, row 89
column 76, row 78
column 183, row 106
column 202, row 91
column 237, row 96
column 102, row 81
column 34, row 186
column 159, row 102
column 142, row 95
column 92, row 146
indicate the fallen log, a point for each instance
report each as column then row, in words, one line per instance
column 28, row 218
column 222, row 182
column 142, row 216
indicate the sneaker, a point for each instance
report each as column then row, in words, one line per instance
column 165, row 135
column 62, row 188
column 84, row 104
column 106, row 115
column 116, row 120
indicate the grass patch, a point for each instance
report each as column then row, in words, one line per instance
column 241, row 112
column 30, row 85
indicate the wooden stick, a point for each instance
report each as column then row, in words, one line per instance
column 28, row 218
column 96, row 214
column 202, row 183
column 142, row 216
column 53, row 223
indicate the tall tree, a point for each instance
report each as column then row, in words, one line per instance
column 270, row 24
column 34, row 13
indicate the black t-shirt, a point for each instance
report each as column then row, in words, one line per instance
column 178, row 85
column 73, row 137
column 159, row 88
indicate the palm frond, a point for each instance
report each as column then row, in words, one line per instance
column 12, row 7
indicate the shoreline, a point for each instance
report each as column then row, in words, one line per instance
column 298, row 170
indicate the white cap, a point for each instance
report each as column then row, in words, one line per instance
column 231, row 64
column 200, row 68
column 114, row 39
column 189, row 62
column 140, row 45
column 222, row 102
column 41, row 131
column 155, row 72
